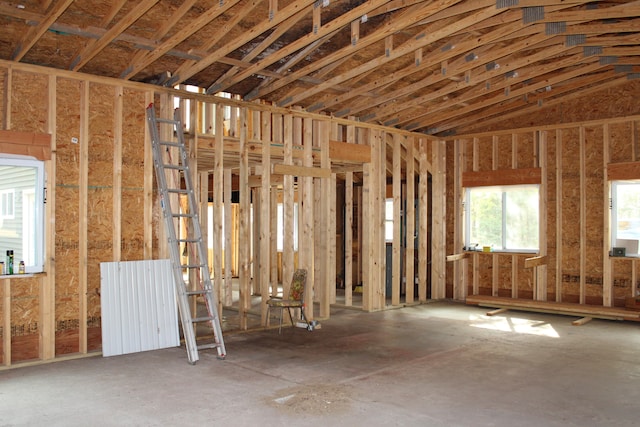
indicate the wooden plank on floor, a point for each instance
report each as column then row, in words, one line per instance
column 582, row 321
column 569, row 309
column 497, row 311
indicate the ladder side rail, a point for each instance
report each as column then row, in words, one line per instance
column 181, row 289
column 200, row 246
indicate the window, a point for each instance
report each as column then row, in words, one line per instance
column 388, row 220
column 22, row 211
column 7, row 210
column 506, row 218
column 280, row 232
column 625, row 215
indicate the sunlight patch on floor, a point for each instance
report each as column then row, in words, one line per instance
column 514, row 324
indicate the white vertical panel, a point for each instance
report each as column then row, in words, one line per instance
column 139, row 311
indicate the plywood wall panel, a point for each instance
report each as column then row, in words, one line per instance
column 25, row 311
column 132, row 202
column 505, row 152
column 505, row 282
column 525, row 149
column 68, row 132
column 620, row 142
column 485, row 154
column 29, row 103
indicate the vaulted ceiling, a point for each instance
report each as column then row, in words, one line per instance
column 427, row 66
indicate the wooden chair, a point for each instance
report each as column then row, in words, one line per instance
column 294, row 300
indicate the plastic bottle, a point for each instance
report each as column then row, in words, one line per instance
column 21, row 268
column 9, row 262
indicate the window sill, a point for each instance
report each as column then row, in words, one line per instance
column 521, row 253
column 21, row 276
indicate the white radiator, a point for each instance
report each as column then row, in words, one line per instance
column 139, row 311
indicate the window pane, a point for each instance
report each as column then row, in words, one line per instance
column 522, row 219
column 505, row 218
column 485, row 226
column 628, row 211
column 21, row 223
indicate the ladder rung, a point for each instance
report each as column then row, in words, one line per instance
column 207, row 346
column 192, row 265
column 177, row 190
column 198, row 292
column 188, row 240
column 202, row 319
column 170, row 144
column 176, row 167
column 170, row 121
column 182, row 215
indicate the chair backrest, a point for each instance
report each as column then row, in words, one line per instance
column 296, row 292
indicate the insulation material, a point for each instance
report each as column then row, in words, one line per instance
column 139, row 311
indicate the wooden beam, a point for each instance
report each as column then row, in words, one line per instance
column 349, row 152
column 35, row 33
column 582, row 321
column 502, row 177
column 255, row 31
column 457, row 257
column 83, row 212
column 275, row 180
column 245, row 226
column 93, row 48
column 622, row 171
column 37, row 145
column 397, row 219
column 497, row 311
column 569, row 309
column 409, row 46
column 535, row 261
column 302, row 171
column 193, row 26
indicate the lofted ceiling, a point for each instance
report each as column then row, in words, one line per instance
column 427, row 66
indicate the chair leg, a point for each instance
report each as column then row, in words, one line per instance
column 281, row 315
column 290, row 316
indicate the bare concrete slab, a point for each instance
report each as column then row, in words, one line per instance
column 439, row 364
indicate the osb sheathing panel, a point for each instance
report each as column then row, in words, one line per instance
column 133, row 220
column 594, row 179
column 485, row 154
column 25, row 311
column 621, row 142
column 570, row 264
column 67, row 131
column 67, row 256
column 622, row 282
column 619, row 101
column 525, row 150
column 100, row 193
column 29, row 102
column 467, row 160
column 485, row 272
column 505, row 152
column 504, row 275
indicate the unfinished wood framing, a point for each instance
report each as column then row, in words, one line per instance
column 574, row 165
column 96, row 216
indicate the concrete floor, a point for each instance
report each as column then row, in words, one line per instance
column 439, row 364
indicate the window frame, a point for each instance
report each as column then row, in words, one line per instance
column 35, row 265
column 613, row 219
column 504, row 189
